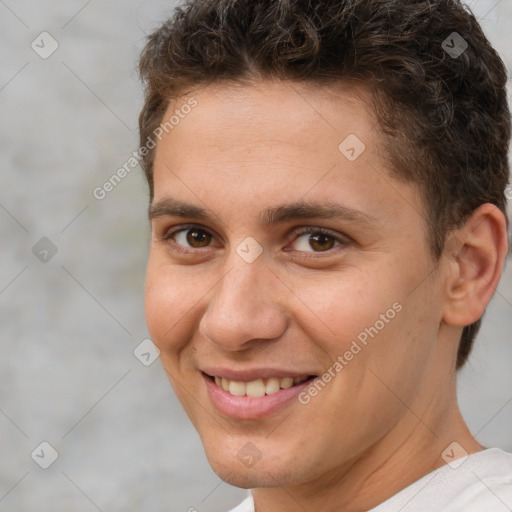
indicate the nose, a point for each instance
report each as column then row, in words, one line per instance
column 244, row 309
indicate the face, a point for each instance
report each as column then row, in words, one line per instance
column 289, row 285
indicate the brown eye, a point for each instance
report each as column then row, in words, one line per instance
column 198, row 238
column 315, row 240
column 321, row 242
column 189, row 237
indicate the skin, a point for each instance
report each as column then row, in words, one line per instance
column 385, row 419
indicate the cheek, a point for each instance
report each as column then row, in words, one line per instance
column 372, row 313
column 169, row 305
column 346, row 306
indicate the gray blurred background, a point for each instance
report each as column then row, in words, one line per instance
column 70, row 320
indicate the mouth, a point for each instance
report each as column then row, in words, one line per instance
column 257, row 398
column 259, row 387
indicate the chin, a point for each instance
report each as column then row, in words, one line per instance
column 241, row 479
column 246, row 478
column 239, row 469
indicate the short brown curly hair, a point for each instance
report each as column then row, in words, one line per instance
column 444, row 116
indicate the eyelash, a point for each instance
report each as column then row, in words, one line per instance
column 343, row 241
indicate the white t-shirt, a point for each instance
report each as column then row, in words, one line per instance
column 481, row 483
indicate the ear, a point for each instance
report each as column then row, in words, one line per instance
column 476, row 256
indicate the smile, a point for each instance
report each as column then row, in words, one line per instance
column 253, row 398
column 259, row 387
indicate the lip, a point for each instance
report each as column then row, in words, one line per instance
column 248, row 407
column 252, row 374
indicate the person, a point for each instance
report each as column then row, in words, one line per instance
column 328, row 211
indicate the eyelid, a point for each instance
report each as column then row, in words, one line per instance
column 343, row 240
column 304, row 230
column 168, row 234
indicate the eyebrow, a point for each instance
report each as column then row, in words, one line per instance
column 171, row 207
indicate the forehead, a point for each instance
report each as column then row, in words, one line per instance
column 238, row 118
column 277, row 142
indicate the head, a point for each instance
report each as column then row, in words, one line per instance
column 284, row 109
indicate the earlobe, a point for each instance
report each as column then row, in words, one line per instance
column 476, row 255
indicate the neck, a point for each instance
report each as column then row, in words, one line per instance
column 408, row 452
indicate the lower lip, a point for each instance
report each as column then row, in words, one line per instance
column 248, row 407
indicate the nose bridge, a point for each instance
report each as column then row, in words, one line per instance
column 243, row 306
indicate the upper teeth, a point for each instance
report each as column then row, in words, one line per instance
column 258, row 387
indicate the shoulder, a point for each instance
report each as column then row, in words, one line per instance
column 481, row 481
column 486, row 484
